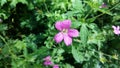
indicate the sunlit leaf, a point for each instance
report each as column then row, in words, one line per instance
column 3, row 2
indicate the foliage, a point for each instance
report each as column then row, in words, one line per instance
column 27, row 31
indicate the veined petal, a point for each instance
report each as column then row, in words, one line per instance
column 73, row 33
column 67, row 39
column 48, row 63
column 58, row 37
column 116, row 32
column 66, row 24
column 118, row 28
column 58, row 25
column 114, row 27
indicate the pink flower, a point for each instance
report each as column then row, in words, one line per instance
column 103, row 5
column 55, row 66
column 116, row 29
column 65, row 32
column 47, row 58
column 47, row 61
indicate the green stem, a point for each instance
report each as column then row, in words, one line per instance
column 115, row 6
column 3, row 39
column 105, row 54
column 109, row 10
column 100, row 14
column 46, row 7
column 88, row 14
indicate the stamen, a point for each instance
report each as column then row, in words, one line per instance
column 64, row 30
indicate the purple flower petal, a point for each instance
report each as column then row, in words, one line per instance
column 67, row 40
column 103, row 5
column 58, row 37
column 47, row 58
column 116, row 30
column 55, row 66
column 47, row 63
column 114, row 27
column 73, row 33
column 58, row 25
column 66, row 24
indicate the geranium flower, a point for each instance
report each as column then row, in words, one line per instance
column 47, row 61
column 55, row 66
column 116, row 29
column 65, row 32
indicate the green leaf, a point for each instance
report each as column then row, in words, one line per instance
column 2, row 2
column 18, row 63
column 5, row 50
column 60, row 51
column 30, row 6
column 93, row 5
column 78, row 56
column 20, row 45
column 23, row 1
column 84, row 34
column 14, row 2
column 31, row 58
column 77, row 5
column 91, row 20
column 3, row 27
column 4, row 14
column 42, row 51
column 68, row 66
column 75, row 24
column 75, row 54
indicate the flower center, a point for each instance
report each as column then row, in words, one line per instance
column 64, row 30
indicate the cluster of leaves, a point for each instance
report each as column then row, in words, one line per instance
column 27, row 31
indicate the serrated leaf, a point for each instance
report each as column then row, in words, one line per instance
column 20, row 45
column 77, row 5
column 84, row 34
column 60, row 51
column 93, row 5
column 75, row 54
